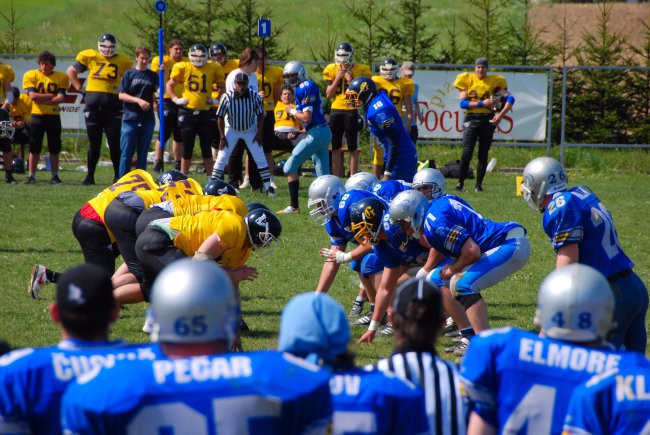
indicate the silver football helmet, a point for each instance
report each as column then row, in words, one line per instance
column 542, row 176
column 389, row 69
column 7, row 126
column 198, row 55
column 294, row 73
column 343, row 53
column 430, row 182
column 575, row 303
column 361, row 181
column 194, row 302
column 408, row 209
column 107, row 45
column 325, row 193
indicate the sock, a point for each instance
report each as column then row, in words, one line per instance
column 360, row 299
column 52, row 276
column 294, row 186
column 55, row 174
column 32, row 174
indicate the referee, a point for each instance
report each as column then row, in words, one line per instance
column 245, row 113
column 416, row 317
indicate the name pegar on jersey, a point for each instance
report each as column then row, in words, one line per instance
column 253, row 393
column 36, row 81
column 521, row 383
column 104, row 73
column 578, row 216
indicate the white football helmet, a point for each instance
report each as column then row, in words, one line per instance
column 542, row 176
column 430, row 178
column 107, row 45
column 408, row 209
column 194, row 302
column 198, row 55
column 325, row 193
column 294, row 73
column 7, row 126
column 389, row 69
column 361, row 181
column 343, row 53
column 575, row 303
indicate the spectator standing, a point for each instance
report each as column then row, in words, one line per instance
column 103, row 108
column 137, row 93
column 46, row 88
column 408, row 71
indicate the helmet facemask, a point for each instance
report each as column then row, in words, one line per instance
column 7, row 129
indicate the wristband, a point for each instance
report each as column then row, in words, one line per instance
column 374, row 326
column 479, row 104
column 388, row 173
column 293, row 112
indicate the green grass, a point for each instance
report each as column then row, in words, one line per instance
column 36, row 228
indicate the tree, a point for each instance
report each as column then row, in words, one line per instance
column 408, row 35
column 525, row 45
column 486, row 29
column 11, row 42
column 368, row 41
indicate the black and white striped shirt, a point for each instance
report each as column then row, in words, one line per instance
column 241, row 111
column 447, row 408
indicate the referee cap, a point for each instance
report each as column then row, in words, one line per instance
column 416, row 289
column 240, row 77
column 85, row 289
column 314, row 326
column 481, row 61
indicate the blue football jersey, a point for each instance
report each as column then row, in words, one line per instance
column 339, row 236
column 399, row 249
column 450, row 221
column 617, row 402
column 387, row 189
column 521, row 383
column 385, row 123
column 308, row 99
column 346, row 203
column 264, row 392
column 371, row 402
column 32, row 380
column 578, row 216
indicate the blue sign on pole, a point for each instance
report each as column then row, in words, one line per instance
column 264, row 27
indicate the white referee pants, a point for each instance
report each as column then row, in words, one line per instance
column 248, row 136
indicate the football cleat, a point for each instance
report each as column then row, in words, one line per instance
column 245, row 184
column 357, row 309
column 459, row 348
column 56, row 180
column 289, row 210
column 386, row 330
column 29, row 180
column 39, row 279
column 450, row 326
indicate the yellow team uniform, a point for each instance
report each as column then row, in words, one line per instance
column 7, row 75
column 181, row 188
column 329, row 74
column 169, row 64
column 134, row 180
column 198, row 203
column 43, row 84
column 21, row 109
column 273, row 79
column 285, row 121
column 104, row 73
column 192, row 230
column 227, row 67
column 197, row 82
column 478, row 90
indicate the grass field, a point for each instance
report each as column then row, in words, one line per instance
column 35, row 223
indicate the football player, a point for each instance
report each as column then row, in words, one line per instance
column 21, row 112
column 520, row 382
column 386, row 125
column 475, row 91
column 314, row 326
column 263, row 392
column 7, row 130
column 32, row 380
column 46, row 88
column 7, row 76
column 194, row 116
column 581, row 230
column 343, row 118
column 309, row 111
column 103, row 108
column 175, row 54
column 399, row 91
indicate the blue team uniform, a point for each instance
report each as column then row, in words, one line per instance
column 316, row 143
column 350, row 198
column 264, row 392
column 617, row 402
column 385, row 123
column 387, row 189
column 371, row 402
column 33, row 380
column 450, row 221
column 521, row 383
column 399, row 249
column 578, row 216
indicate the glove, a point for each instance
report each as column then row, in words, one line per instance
column 180, row 101
column 338, row 256
column 422, row 273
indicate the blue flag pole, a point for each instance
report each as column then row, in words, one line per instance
column 161, row 7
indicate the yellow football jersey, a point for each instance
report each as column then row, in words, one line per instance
column 194, row 229
column 45, row 85
column 21, row 110
column 216, row 94
column 169, row 64
column 134, row 180
column 104, row 73
column 284, row 119
column 181, row 188
column 197, row 82
column 392, row 89
column 273, row 79
column 6, row 75
column 329, row 74
column 198, row 203
column 478, row 90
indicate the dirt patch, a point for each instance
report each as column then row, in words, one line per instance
column 626, row 20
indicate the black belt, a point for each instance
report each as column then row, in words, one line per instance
column 620, row 275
